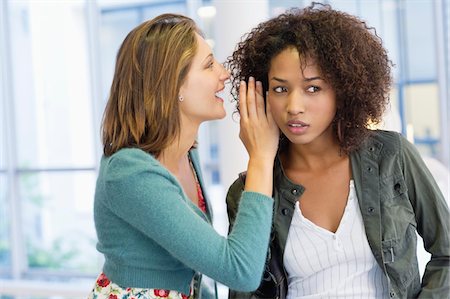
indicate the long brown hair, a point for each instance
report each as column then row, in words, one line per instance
column 152, row 62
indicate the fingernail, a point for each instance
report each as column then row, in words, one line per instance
column 251, row 78
column 258, row 83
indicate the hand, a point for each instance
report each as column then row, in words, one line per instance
column 258, row 131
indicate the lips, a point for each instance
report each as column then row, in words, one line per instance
column 297, row 124
column 297, row 127
column 220, row 94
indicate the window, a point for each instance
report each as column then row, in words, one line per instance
column 116, row 20
column 47, row 182
column 50, row 137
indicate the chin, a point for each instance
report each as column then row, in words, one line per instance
column 219, row 117
column 300, row 140
column 216, row 117
column 222, row 114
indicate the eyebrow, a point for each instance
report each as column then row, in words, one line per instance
column 312, row 79
column 279, row 79
column 208, row 57
column 306, row 79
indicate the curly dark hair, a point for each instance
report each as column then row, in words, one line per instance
column 349, row 54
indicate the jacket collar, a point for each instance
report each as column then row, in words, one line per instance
column 284, row 185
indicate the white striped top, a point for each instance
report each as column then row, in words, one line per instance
column 322, row 264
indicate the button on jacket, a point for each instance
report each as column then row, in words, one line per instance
column 397, row 196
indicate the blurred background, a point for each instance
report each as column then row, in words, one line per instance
column 56, row 65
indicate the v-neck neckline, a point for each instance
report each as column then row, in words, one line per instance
column 349, row 207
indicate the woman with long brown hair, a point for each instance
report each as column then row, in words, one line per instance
column 152, row 217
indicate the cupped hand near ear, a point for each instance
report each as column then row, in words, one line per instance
column 258, row 131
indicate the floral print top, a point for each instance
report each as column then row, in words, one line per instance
column 106, row 289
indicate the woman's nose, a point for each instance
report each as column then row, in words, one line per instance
column 225, row 75
column 296, row 104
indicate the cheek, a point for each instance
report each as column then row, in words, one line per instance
column 197, row 83
column 327, row 109
column 277, row 113
column 275, row 108
column 333, row 112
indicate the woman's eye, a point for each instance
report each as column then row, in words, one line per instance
column 279, row 89
column 313, row 89
column 211, row 64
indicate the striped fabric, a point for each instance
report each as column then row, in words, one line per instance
column 322, row 264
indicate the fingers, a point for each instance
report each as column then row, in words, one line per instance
column 268, row 110
column 260, row 110
column 251, row 100
column 251, row 103
column 243, row 100
column 258, row 131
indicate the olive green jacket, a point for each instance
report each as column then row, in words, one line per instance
column 397, row 196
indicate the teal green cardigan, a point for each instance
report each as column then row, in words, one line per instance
column 153, row 236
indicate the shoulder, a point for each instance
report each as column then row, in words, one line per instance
column 134, row 176
column 383, row 144
column 389, row 140
column 128, row 158
column 235, row 191
column 392, row 143
column 392, row 151
column 237, row 187
column 132, row 163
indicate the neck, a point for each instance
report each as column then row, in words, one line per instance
column 173, row 156
column 314, row 156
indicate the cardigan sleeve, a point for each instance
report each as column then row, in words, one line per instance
column 149, row 198
column 432, row 217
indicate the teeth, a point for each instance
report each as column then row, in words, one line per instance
column 296, row 125
column 220, row 94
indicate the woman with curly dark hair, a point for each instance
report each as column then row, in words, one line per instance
column 348, row 200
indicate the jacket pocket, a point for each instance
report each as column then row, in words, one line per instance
column 399, row 241
column 397, row 213
column 400, row 259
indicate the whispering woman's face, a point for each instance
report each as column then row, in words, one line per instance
column 201, row 89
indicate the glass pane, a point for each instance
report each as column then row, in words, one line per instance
column 420, row 43
column 114, row 26
column 154, row 10
column 277, row 7
column 447, row 16
column 348, row 6
column 5, row 246
column 58, row 220
column 53, row 105
column 370, row 11
column 389, row 32
column 2, row 113
column 423, row 117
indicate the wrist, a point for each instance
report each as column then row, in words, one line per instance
column 259, row 176
column 261, row 163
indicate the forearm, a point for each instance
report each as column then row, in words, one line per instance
column 259, row 176
column 436, row 279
